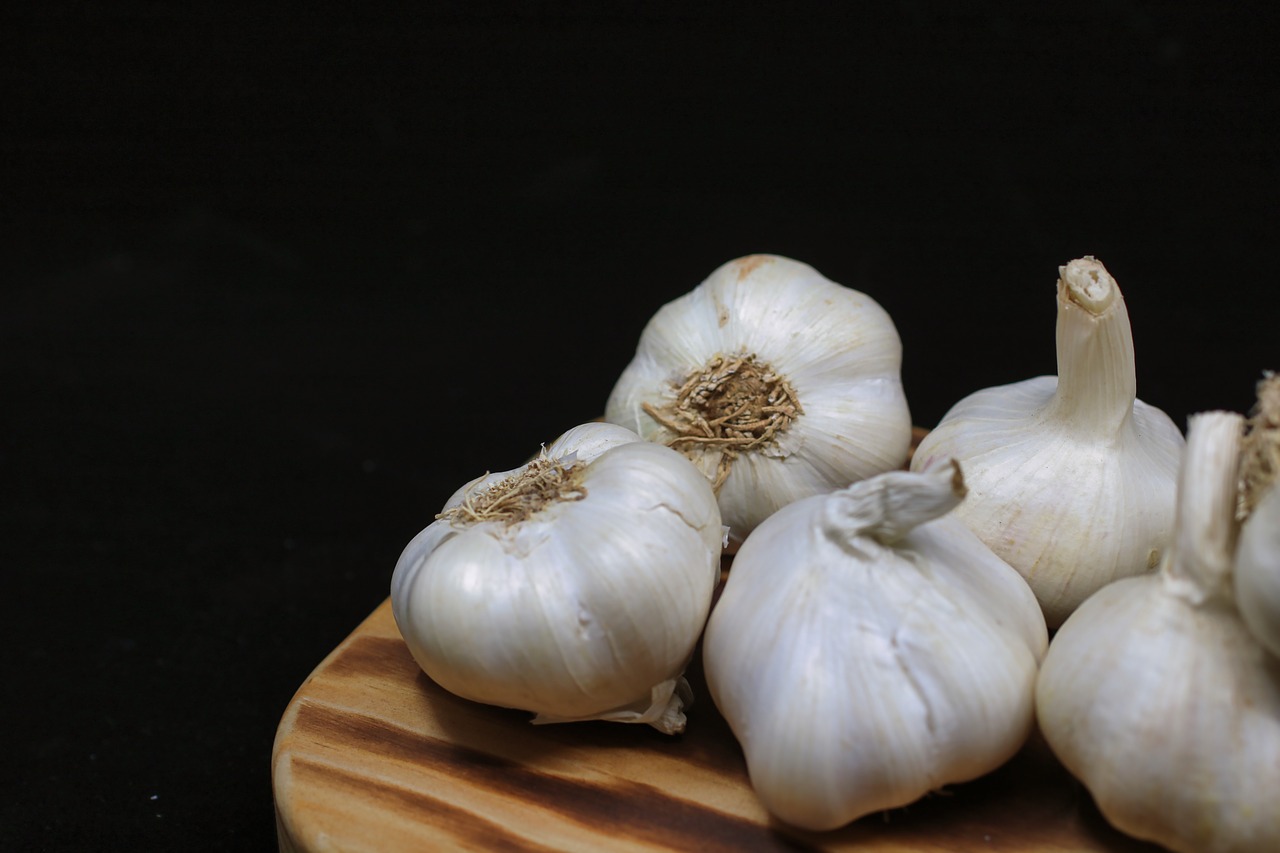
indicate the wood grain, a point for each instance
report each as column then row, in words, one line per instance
column 372, row 756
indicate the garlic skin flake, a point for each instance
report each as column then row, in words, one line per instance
column 867, row 649
column 574, row 587
column 1155, row 695
column 1071, row 477
column 777, row 382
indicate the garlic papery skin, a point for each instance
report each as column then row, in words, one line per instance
column 777, row 382
column 1071, row 478
column 1155, row 695
column 574, row 587
column 1257, row 572
column 867, row 649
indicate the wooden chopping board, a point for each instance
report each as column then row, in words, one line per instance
column 372, row 756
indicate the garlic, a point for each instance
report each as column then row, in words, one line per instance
column 775, row 381
column 867, row 649
column 1257, row 577
column 575, row 586
column 1155, row 695
column 1071, row 478
column 1258, row 572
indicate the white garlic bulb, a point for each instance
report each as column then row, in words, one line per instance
column 1257, row 577
column 1155, row 695
column 575, row 586
column 777, row 382
column 1071, row 477
column 866, row 651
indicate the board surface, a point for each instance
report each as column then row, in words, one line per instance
column 371, row 755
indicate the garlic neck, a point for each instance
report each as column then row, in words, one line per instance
column 888, row 507
column 1097, row 382
column 1198, row 565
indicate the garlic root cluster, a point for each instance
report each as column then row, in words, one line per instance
column 775, row 381
column 1155, row 694
column 1071, row 477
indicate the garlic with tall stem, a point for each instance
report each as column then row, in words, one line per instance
column 575, row 586
column 868, row 649
column 1257, row 579
column 1071, row 478
column 777, row 382
column 1155, row 695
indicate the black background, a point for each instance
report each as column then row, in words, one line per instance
column 275, row 283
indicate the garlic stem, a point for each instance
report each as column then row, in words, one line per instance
column 1097, row 381
column 887, row 507
column 1198, row 564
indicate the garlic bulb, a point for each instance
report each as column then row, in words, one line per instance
column 775, row 381
column 1155, row 695
column 575, row 586
column 1257, row 577
column 1071, row 478
column 866, row 651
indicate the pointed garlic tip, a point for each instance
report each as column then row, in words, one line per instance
column 1088, row 284
column 888, row 506
column 1260, row 455
column 1205, row 527
column 1097, row 376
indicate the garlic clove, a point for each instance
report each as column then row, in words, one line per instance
column 1071, row 478
column 775, row 381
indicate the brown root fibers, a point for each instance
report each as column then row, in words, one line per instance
column 544, row 481
column 735, row 404
column 1260, row 454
